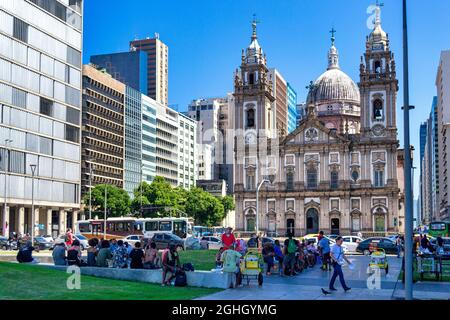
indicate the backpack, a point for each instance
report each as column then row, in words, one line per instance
column 292, row 247
column 181, row 280
column 188, row 267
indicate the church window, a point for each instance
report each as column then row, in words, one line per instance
column 378, row 109
column 377, row 67
column 251, row 78
column 250, row 118
column 378, row 178
column 334, row 180
column 250, row 181
column 290, row 181
column 311, row 178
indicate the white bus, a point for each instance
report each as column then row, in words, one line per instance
column 181, row 227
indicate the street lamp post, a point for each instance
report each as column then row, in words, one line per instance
column 104, row 218
column 257, row 204
column 33, row 221
column 90, row 189
column 407, row 168
column 6, row 162
column 140, row 208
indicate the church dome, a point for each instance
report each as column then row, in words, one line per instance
column 333, row 86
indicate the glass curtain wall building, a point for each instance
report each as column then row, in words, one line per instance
column 292, row 108
column 133, row 139
column 40, row 100
column 148, row 139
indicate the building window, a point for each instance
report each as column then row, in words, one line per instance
column 378, row 109
column 290, row 181
column 250, row 181
column 251, row 78
column 311, row 178
column 377, row 67
column 379, row 178
column 46, row 107
column 334, row 179
column 20, row 30
column 250, row 118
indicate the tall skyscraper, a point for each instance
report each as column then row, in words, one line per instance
column 157, row 66
column 443, row 108
column 40, row 98
column 280, row 104
column 103, row 130
column 291, row 108
column 129, row 68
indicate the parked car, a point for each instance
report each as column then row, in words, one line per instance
column 351, row 242
column 332, row 236
column 381, row 242
column 83, row 240
column 192, row 243
column 163, row 240
column 213, row 242
column 7, row 245
column 42, row 243
column 251, row 243
column 446, row 244
column 132, row 239
column 48, row 238
column 315, row 240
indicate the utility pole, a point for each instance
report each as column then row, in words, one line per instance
column 33, row 218
column 90, row 189
column 407, row 168
column 104, row 218
column 6, row 162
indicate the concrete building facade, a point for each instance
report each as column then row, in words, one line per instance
column 157, row 67
column 187, row 152
column 40, row 99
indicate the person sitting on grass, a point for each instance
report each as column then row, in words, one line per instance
column 268, row 253
column 25, row 254
column 171, row 264
column 231, row 259
column 92, row 252
column 104, row 254
column 59, row 254
column 151, row 260
column 120, row 256
column 137, row 257
column 74, row 254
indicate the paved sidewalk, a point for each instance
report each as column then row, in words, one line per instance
column 308, row 284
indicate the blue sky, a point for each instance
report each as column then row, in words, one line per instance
column 205, row 39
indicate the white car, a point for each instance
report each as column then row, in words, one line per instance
column 213, row 242
column 351, row 242
column 132, row 239
column 83, row 240
column 315, row 241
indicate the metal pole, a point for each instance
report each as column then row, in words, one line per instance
column 7, row 141
column 90, row 190
column 33, row 227
column 140, row 209
column 104, row 218
column 407, row 168
column 257, row 211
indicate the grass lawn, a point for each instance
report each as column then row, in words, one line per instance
column 430, row 276
column 200, row 259
column 28, row 282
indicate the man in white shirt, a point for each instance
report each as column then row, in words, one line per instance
column 337, row 258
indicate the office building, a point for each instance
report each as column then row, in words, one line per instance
column 187, row 152
column 102, row 136
column 443, row 108
column 301, row 112
column 148, row 139
column 40, row 99
column 157, row 66
column 129, row 68
column 291, row 108
column 280, row 104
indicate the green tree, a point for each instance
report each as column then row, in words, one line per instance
column 118, row 201
column 204, row 208
column 228, row 204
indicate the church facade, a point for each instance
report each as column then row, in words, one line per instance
column 339, row 170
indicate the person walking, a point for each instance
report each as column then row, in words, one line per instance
column 324, row 247
column 228, row 238
column 69, row 238
column 398, row 242
column 338, row 257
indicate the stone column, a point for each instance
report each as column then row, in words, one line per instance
column 74, row 221
column 5, row 221
column 21, row 220
column 48, row 222
column 34, row 227
column 62, row 221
